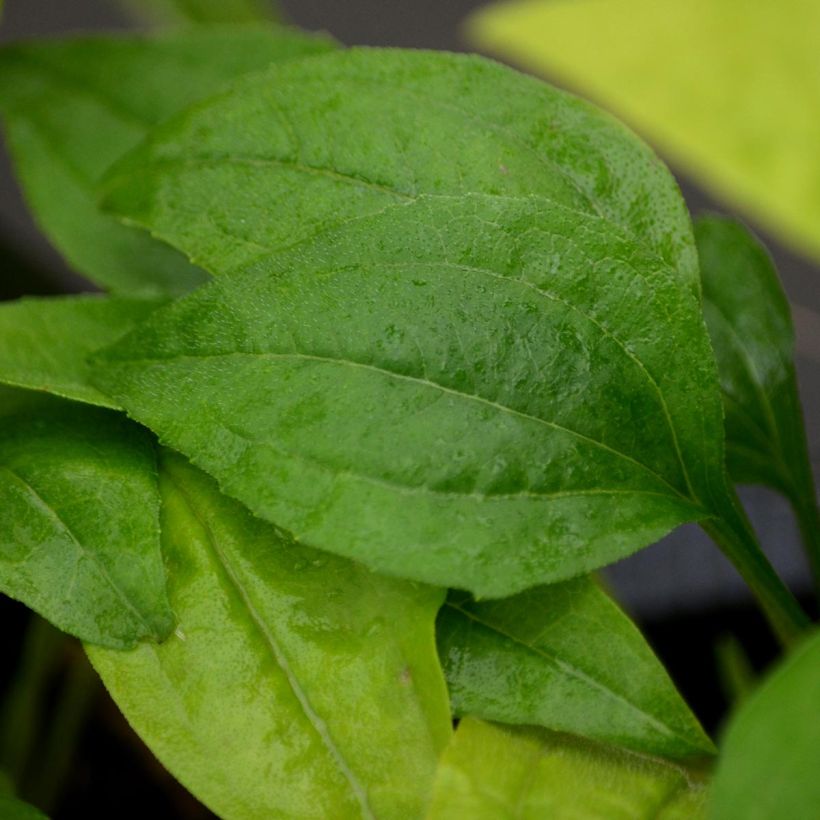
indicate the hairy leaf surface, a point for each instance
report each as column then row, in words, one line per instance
column 297, row 684
column 44, row 343
column 490, row 772
column 309, row 145
column 481, row 391
column 750, row 324
column 67, row 119
column 770, row 755
column 79, row 534
column 727, row 89
column 565, row 657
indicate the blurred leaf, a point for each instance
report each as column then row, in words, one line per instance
column 297, row 684
column 175, row 12
column 770, row 756
column 490, row 772
column 13, row 809
column 729, row 90
column 71, row 108
column 567, row 658
column 44, row 343
column 750, row 325
column 79, row 540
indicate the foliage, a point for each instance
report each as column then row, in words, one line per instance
column 408, row 344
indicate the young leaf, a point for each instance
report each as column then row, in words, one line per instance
column 771, row 752
column 489, row 772
column 321, row 142
column 297, row 684
column 750, row 324
column 67, row 121
column 44, row 343
column 79, row 539
column 567, row 658
column 703, row 79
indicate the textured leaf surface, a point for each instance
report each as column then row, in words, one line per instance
column 727, row 89
column 322, row 142
column 72, row 108
column 567, row 658
column 750, row 324
column 490, row 772
column 770, row 755
column 44, row 343
column 297, row 684
column 79, row 534
column 480, row 391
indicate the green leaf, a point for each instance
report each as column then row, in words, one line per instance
column 71, row 108
column 176, row 12
column 319, row 143
column 13, row 809
column 750, row 324
column 79, row 540
column 297, row 684
column 44, row 343
column 490, row 772
column 567, row 658
column 771, row 752
column 704, row 80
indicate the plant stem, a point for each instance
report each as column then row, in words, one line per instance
column 739, row 544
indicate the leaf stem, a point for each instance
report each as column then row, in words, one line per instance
column 736, row 538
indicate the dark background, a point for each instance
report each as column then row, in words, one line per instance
column 682, row 590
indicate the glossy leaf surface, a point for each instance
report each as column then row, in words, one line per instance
column 728, row 90
column 44, row 343
column 490, row 772
column 322, row 142
column 770, row 755
column 485, row 392
column 79, row 534
column 67, row 120
column 567, row 658
column 750, row 324
column 297, row 684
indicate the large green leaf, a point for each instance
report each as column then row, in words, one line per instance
column 176, row 12
column 728, row 89
column 79, row 533
column 448, row 345
column 771, row 752
column 322, row 142
column 490, row 772
column 44, row 343
column 565, row 657
column 297, row 684
column 72, row 108
column 751, row 328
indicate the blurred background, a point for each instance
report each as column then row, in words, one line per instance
column 681, row 590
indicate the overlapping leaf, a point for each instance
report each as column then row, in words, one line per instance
column 567, row 658
column 750, row 324
column 771, row 753
column 79, row 532
column 71, row 108
column 490, row 772
column 44, row 343
column 298, row 684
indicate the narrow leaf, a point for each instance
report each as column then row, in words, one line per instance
column 79, row 539
column 567, row 658
column 750, row 324
column 704, row 80
column 321, row 142
column 771, row 752
column 67, row 121
column 297, row 684
column 44, row 343
column 490, row 772
column 470, row 371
